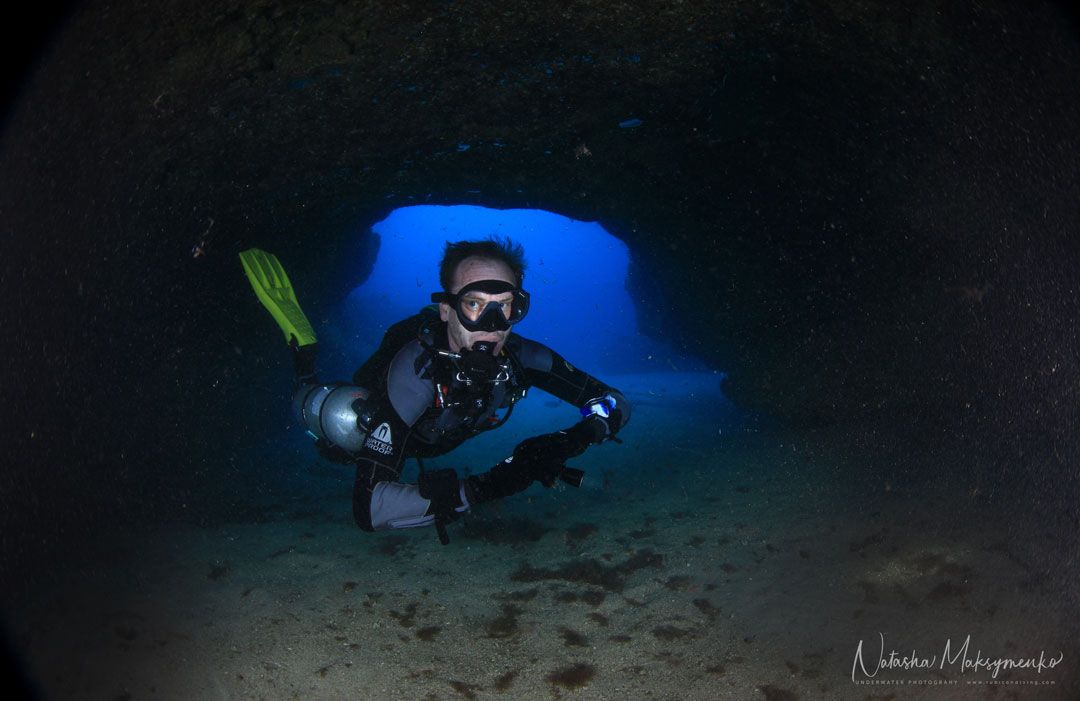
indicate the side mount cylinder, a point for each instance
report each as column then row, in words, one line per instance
column 334, row 412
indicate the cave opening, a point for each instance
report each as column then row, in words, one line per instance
column 577, row 273
column 584, row 307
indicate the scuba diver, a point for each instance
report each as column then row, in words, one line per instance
column 437, row 379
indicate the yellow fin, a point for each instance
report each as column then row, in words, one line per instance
column 274, row 290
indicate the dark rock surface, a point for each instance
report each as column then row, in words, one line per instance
column 857, row 208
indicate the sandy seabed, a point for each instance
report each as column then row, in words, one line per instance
column 703, row 559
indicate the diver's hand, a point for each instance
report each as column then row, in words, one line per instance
column 614, row 422
column 607, row 416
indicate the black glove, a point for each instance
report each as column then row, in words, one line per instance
column 441, row 488
column 609, row 413
column 538, row 459
column 614, row 422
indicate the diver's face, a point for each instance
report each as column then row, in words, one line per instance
column 469, row 271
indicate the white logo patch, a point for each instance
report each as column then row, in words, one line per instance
column 380, row 440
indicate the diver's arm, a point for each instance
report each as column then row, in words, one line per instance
column 543, row 458
column 546, row 369
column 380, row 501
column 537, row 459
column 368, row 429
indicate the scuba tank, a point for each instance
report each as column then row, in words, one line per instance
column 336, row 413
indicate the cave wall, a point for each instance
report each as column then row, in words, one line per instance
column 853, row 208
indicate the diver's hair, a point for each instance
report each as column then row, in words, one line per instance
column 504, row 250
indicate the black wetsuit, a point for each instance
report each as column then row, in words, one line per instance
column 420, row 407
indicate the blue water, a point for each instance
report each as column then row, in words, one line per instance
column 576, row 273
column 581, row 307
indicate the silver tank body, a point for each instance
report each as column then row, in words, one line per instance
column 330, row 412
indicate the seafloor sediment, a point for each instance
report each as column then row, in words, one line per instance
column 704, row 558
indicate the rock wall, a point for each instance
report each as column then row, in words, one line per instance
column 855, row 208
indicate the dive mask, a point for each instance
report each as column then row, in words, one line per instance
column 476, row 315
